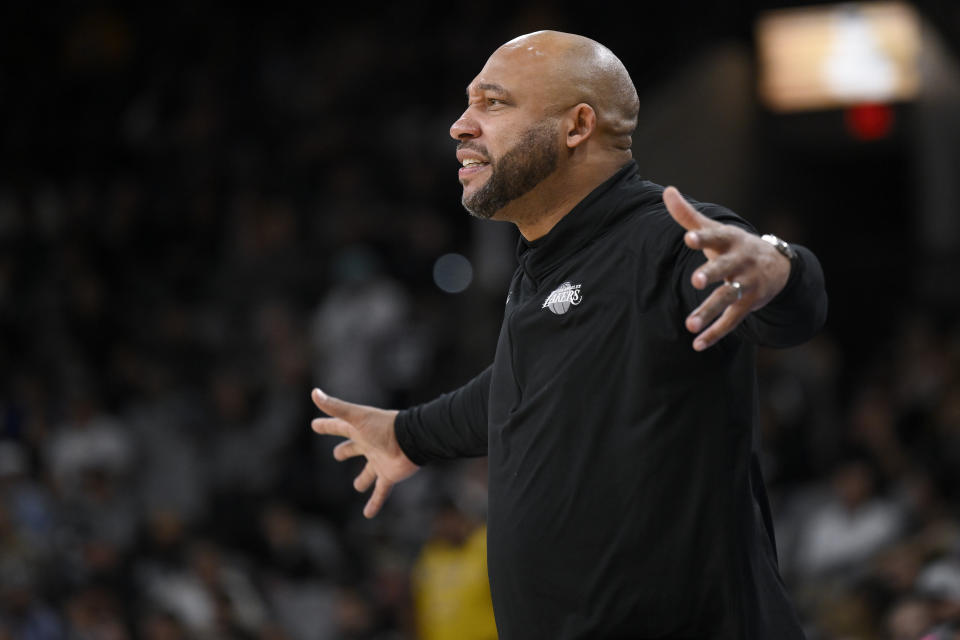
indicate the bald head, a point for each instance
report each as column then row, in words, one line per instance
column 573, row 69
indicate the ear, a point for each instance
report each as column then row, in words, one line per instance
column 581, row 123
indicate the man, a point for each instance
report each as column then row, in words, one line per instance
column 625, row 495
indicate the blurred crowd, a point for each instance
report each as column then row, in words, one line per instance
column 864, row 465
column 195, row 233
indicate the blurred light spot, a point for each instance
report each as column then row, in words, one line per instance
column 452, row 272
column 836, row 55
column 869, row 121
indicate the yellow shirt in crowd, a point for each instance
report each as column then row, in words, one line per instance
column 451, row 591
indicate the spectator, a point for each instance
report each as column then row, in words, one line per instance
column 852, row 522
column 451, row 594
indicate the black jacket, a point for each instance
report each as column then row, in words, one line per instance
column 625, row 497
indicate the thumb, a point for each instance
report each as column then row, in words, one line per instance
column 335, row 407
column 683, row 212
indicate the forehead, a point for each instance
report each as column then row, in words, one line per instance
column 520, row 72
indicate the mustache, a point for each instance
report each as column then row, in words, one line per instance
column 470, row 145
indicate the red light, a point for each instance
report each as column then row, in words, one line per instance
column 869, row 121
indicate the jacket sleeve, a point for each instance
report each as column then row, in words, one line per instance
column 453, row 425
column 794, row 316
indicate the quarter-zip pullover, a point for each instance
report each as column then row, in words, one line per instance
column 625, row 498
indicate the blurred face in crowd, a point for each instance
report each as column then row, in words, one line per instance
column 854, row 484
column 509, row 137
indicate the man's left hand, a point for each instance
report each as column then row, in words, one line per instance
column 752, row 270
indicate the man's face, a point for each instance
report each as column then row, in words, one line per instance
column 508, row 145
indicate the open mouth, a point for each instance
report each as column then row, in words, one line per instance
column 472, row 165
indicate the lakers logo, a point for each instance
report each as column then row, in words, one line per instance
column 562, row 298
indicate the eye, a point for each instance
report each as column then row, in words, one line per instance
column 495, row 101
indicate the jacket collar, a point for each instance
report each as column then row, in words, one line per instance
column 577, row 228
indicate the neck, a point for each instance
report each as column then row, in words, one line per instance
column 540, row 218
column 538, row 211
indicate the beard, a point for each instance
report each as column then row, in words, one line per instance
column 524, row 166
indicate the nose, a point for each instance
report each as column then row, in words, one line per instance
column 465, row 127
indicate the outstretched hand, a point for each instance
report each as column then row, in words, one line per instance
column 369, row 433
column 752, row 270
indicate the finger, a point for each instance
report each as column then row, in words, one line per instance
column 683, row 212
column 716, row 303
column 380, row 492
column 718, row 237
column 727, row 322
column 346, row 450
column 363, row 481
column 336, row 407
column 331, row 427
column 719, row 268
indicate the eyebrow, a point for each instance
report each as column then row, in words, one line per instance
column 489, row 86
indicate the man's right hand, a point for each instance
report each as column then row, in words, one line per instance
column 369, row 433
